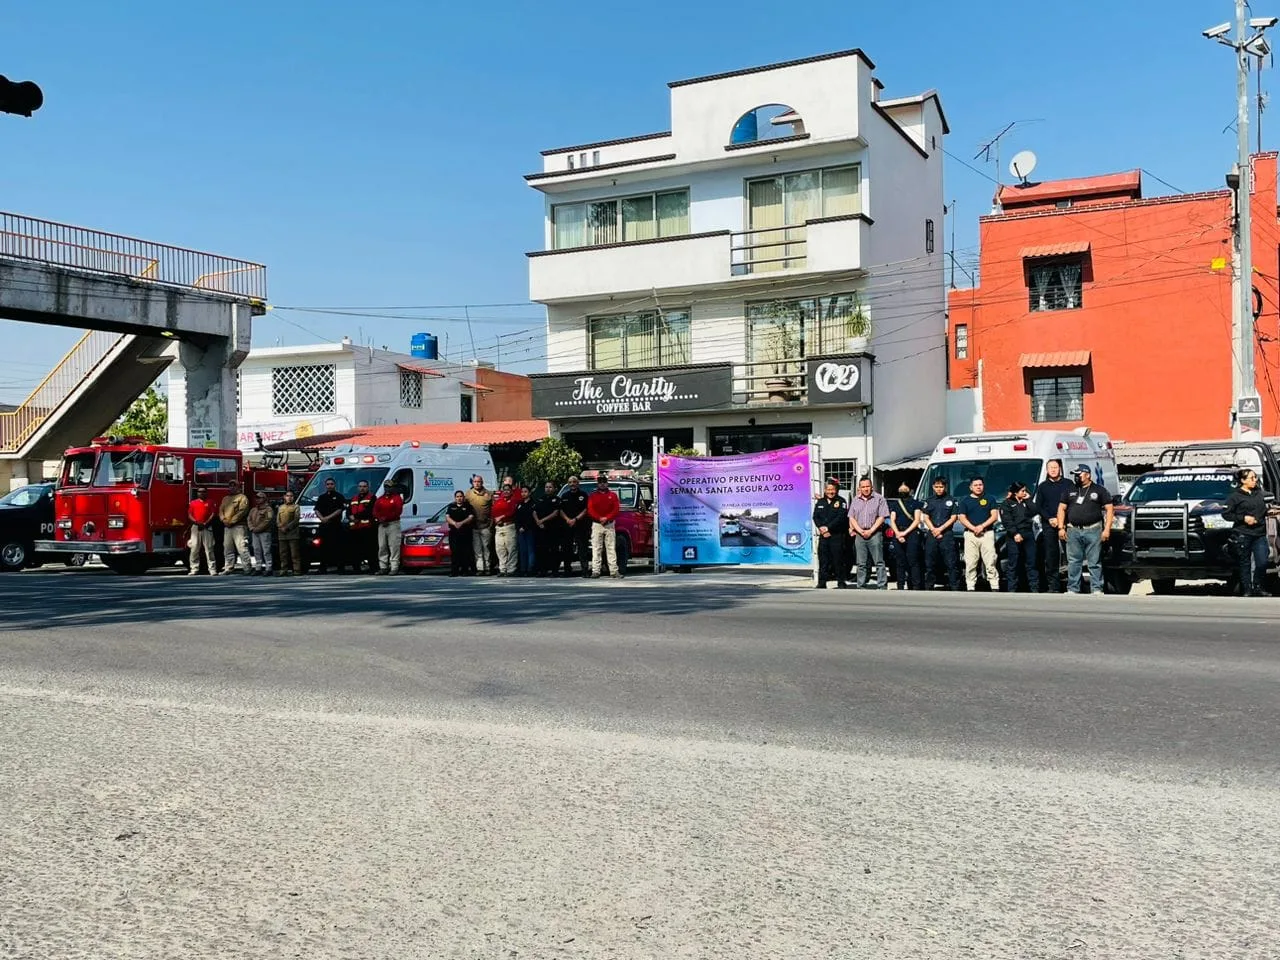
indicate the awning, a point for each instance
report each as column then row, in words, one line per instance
column 421, row 368
column 1055, row 250
column 477, row 386
column 1063, row 358
column 918, row 462
column 392, row 435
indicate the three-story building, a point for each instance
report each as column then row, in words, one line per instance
column 767, row 270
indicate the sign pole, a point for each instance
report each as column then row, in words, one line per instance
column 659, row 444
column 816, row 481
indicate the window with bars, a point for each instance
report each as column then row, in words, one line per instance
column 845, row 471
column 784, row 331
column 238, row 393
column 650, row 339
column 410, row 389
column 1055, row 285
column 466, row 409
column 962, row 341
column 298, row 391
column 1057, row 399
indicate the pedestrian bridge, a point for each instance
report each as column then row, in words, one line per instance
column 143, row 305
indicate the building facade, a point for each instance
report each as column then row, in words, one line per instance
column 288, row 393
column 1098, row 306
column 767, row 270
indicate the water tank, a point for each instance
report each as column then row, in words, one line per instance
column 424, row 346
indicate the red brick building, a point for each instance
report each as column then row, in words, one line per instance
column 1098, row 307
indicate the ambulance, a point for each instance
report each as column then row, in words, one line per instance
column 426, row 475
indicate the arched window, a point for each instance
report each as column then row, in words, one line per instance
column 769, row 122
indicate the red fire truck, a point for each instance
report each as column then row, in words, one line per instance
column 125, row 500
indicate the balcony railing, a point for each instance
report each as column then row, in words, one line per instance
column 17, row 426
column 771, row 382
column 43, row 241
column 767, row 249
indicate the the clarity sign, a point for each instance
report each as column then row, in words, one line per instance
column 614, row 393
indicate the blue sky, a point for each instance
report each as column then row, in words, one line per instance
column 374, row 158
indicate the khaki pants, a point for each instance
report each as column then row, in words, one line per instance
column 262, row 550
column 980, row 548
column 481, row 541
column 201, row 542
column 389, row 546
column 505, row 542
column 235, row 543
column 291, row 554
column 604, row 542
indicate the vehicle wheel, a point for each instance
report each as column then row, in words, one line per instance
column 126, row 566
column 13, row 556
column 1162, row 585
column 1117, row 581
column 624, row 553
column 75, row 560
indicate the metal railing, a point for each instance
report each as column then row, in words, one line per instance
column 43, row 241
column 771, row 381
column 17, row 426
column 767, row 249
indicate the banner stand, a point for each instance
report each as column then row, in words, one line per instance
column 659, row 447
column 817, row 490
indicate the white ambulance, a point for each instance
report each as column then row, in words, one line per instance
column 1010, row 456
column 426, row 474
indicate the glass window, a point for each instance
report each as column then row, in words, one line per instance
column 1057, row 399
column 602, row 222
column 77, row 469
column 639, row 339
column 1181, row 486
column 734, row 440
column 997, row 475
column 962, row 341
column 213, row 471
column 26, row 496
column 629, row 219
column 846, row 471
column 345, row 480
column 1055, row 285
column 170, row 469
column 783, row 330
column 840, row 191
column 569, row 222
column 673, row 213
column 132, row 467
column 637, row 219
column 404, row 481
column 466, row 404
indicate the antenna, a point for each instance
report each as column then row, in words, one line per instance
column 991, row 151
column 1023, row 162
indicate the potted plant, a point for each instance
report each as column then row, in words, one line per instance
column 857, row 328
column 784, row 352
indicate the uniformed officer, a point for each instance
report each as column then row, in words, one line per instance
column 549, row 533
column 362, row 542
column 831, row 517
column 1084, row 523
column 905, row 520
column 940, row 541
column 329, row 509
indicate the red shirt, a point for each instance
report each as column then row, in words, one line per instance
column 504, row 508
column 603, row 506
column 201, row 512
column 388, row 507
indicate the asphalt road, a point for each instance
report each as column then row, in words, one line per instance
column 684, row 766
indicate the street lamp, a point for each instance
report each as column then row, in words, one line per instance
column 1247, row 42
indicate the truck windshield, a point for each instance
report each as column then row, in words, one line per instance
column 1181, row 487
column 996, row 474
column 25, row 496
column 77, row 469
column 346, row 481
column 119, row 467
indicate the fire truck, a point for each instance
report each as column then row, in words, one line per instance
column 125, row 500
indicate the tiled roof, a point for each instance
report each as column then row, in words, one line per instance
column 392, row 435
column 1063, row 358
column 1054, row 250
column 1017, row 194
column 415, row 367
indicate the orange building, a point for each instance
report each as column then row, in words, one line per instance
column 1098, row 307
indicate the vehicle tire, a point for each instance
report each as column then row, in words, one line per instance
column 127, row 566
column 624, row 553
column 14, row 555
column 1162, row 586
column 1117, row 581
column 75, row 560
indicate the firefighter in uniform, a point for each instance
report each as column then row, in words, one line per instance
column 940, row 541
column 831, row 517
column 362, row 539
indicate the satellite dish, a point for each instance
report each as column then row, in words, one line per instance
column 1022, row 164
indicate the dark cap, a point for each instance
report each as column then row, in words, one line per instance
column 1084, row 468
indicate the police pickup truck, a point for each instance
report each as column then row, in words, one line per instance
column 1173, row 514
column 26, row 515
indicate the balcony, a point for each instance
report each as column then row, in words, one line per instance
column 834, row 244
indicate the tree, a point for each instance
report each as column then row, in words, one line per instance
column 147, row 417
column 552, row 461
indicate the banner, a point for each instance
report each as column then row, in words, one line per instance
column 753, row 508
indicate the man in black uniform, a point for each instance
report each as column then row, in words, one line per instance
column 940, row 541
column 461, row 519
column 1048, row 497
column 329, row 508
column 577, row 539
column 831, row 517
column 906, row 521
column 549, row 532
column 1084, row 524
column 362, row 532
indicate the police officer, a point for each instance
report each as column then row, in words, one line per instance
column 1048, row 497
column 329, row 508
column 1016, row 513
column 1084, row 523
column 831, row 517
column 549, row 531
column 577, row 535
column 905, row 519
column 939, row 515
column 362, row 540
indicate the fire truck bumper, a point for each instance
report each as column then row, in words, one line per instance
column 97, row 547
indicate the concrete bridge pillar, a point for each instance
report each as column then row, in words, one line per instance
column 210, row 364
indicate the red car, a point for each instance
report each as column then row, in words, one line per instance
column 427, row 547
column 635, row 523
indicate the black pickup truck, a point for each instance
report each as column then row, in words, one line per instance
column 1172, row 515
column 26, row 515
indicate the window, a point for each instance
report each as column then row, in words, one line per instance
column 962, row 341
column 238, row 409
column 410, row 388
column 846, row 471
column 216, row 471
column 465, row 410
column 928, row 236
column 1055, row 285
column 651, row 339
column 788, row 330
column 404, row 481
column 297, row 391
column 733, row 440
column 169, row 469
column 131, row 467
column 777, row 208
column 649, row 216
column 1057, row 399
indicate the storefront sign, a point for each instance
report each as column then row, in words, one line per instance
column 754, row 508
column 844, row 379
column 626, row 392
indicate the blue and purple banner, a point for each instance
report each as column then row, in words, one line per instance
column 753, row 508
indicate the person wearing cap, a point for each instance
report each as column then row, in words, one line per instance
column 260, row 521
column 289, row 536
column 906, row 516
column 1048, row 497
column 1084, row 524
column 1016, row 515
column 235, row 535
column 387, row 510
column 577, row 527
column 831, row 519
column 200, row 541
column 505, row 540
column 603, row 507
column 362, row 532
column 939, row 516
column 979, row 516
column 481, row 501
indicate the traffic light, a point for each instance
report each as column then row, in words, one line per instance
column 23, row 98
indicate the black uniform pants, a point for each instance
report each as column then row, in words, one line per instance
column 363, row 547
column 462, row 553
column 332, row 546
column 831, row 558
column 908, row 560
column 1050, row 560
column 940, row 554
column 579, row 539
column 548, row 546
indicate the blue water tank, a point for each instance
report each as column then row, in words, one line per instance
column 424, row 346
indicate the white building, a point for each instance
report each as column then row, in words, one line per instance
column 286, row 393
column 738, row 282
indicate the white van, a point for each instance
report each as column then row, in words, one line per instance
column 1003, row 458
column 427, row 474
